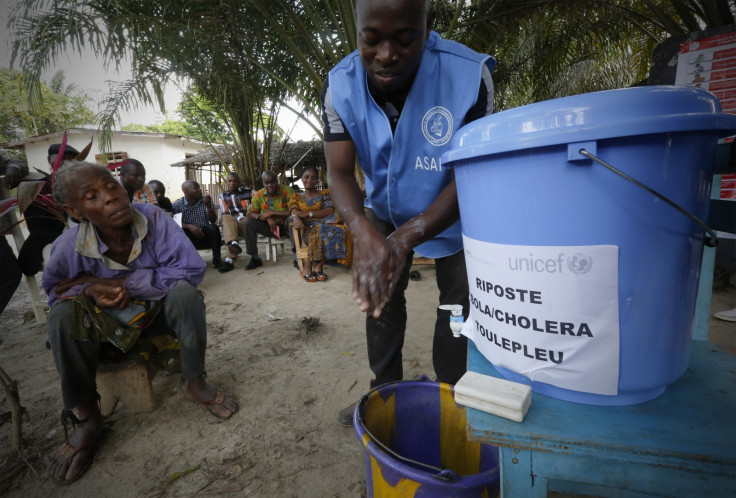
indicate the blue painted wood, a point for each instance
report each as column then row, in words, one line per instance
column 517, row 476
column 682, row 443
column 705, row 286
column 705, row 295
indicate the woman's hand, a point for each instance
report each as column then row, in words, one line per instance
column 84, row 278
column 107, row 294
column 297, row 222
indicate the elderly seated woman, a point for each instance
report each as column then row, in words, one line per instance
column 123, row 272
column 312, row 213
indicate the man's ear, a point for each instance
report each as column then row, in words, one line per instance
column 73, row 212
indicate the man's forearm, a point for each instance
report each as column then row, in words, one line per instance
column 438, row 217
column 346, row 197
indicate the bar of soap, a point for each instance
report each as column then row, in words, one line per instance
column 500, row 397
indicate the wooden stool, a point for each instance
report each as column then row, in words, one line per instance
column 129, row 383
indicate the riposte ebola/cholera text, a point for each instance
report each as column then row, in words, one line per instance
column 549, row 313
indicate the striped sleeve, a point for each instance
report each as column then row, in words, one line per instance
column 333, row 129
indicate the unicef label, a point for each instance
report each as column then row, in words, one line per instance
column 437, row 126
column 549, row 313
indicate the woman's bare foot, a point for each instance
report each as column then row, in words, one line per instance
column 76, row 455
column 220, row 404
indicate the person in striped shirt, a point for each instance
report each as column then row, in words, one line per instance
column 234, row 204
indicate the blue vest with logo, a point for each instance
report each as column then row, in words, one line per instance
column 403, row 171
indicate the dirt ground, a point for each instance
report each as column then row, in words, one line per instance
column 291, row 382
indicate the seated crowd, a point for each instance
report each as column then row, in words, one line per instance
column 271, row 211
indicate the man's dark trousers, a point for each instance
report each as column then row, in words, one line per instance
column 385, row 335
column 211, row 240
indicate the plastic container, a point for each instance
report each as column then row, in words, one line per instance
column 521, row 180
column 419, row 421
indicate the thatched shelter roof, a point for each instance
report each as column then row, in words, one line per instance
column 208, row 155
column 310, row 153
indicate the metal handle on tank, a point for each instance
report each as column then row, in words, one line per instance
column 442, row 474
column 711, row 240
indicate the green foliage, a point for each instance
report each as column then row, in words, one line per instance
column 63, row 107
column 170, row 126
column 246, row 58
column 202, row 116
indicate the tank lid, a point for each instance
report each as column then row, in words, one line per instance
column 592, row 116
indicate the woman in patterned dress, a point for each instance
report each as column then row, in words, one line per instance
column 313, row 214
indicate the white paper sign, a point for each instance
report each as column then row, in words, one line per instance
column 548, row 313
column 177, row 218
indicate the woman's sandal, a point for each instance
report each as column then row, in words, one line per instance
column 310, row 277
column 320, row 276
column 68, row 452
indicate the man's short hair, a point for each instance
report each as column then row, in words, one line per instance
column 130, row 165
column 188, row 184
column 427, row 4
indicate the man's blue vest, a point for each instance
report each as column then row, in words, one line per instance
column 403, row 171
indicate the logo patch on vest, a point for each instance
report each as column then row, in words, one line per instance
column 437, row 126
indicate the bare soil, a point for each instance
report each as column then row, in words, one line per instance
column 291, row 381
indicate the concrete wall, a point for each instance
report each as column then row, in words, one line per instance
column 156, row 151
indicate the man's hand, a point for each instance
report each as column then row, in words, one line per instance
column 195, row 230
column 377, row 266
column 12, row 177
column 207, row 200
column 108, row 295
column 272, row 222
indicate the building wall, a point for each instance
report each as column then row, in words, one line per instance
column 156, row 152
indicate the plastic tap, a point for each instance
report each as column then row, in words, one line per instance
column 456, row 317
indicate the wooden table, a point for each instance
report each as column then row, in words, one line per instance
column 682, row 443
